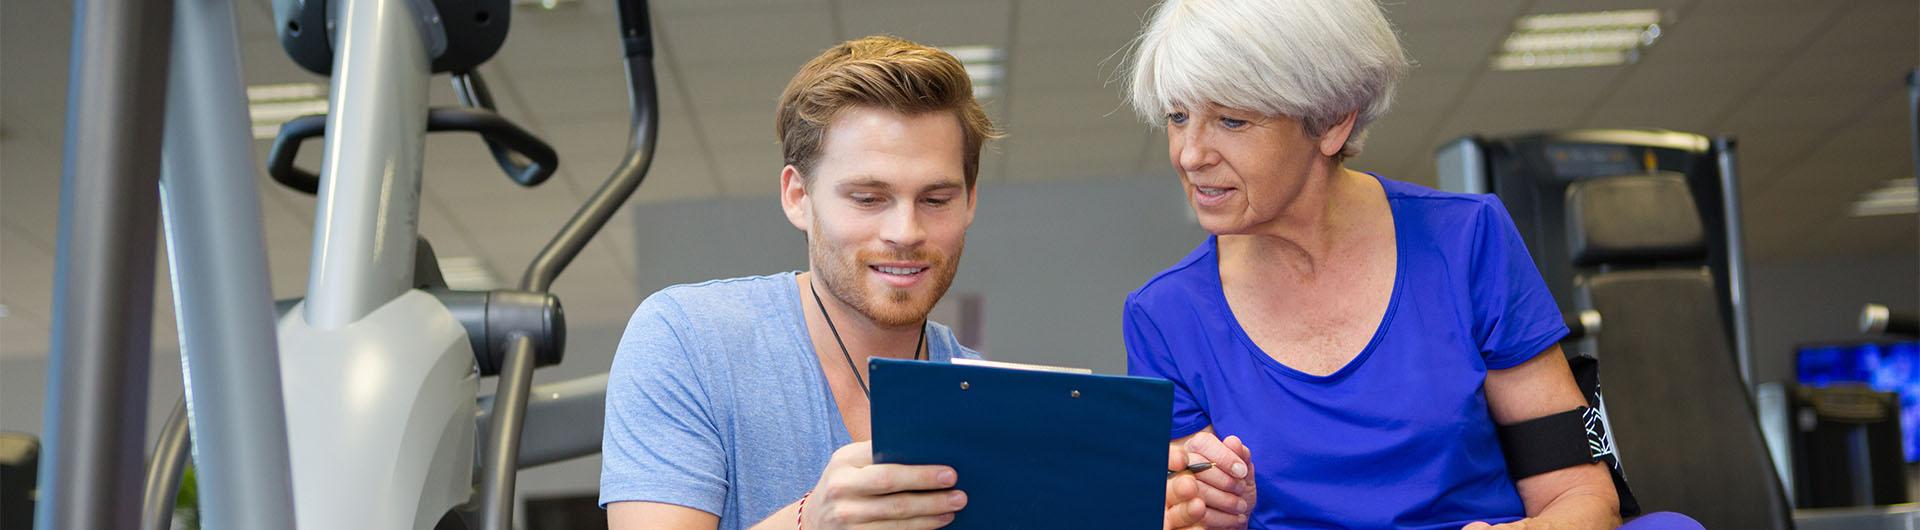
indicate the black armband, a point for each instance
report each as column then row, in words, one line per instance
column 1556, row 441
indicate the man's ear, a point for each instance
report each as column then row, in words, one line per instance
column 1335, row 139
column 973, row 200
column 793, row 198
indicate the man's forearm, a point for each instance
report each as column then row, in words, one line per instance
column 786, row 518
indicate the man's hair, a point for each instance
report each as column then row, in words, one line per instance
column 879, row 72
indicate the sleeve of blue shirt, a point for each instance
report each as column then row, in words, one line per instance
column 1149, row 356
column 1515, row 317
column 660, row 443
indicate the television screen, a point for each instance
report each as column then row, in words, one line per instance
column 1885, row 366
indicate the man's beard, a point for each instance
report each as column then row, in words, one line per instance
column 845, row 277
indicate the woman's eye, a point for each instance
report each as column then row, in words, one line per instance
column 1232, row 123
column 1177, row 118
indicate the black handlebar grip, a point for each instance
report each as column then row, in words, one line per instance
column 286, row 146
column 636, row 28
column 501, row 135
column 503, row 139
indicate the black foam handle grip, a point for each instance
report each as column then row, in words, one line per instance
column 500, row 134
column 636, row 28
column 503, row 139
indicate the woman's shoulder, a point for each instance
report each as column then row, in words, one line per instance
column 1443, row 212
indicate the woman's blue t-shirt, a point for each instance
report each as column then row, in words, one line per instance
column 1400, row 437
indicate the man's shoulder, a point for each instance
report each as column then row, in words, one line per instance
column 721, row 302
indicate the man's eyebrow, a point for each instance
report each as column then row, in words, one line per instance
column 866, row 181
column 876, row 183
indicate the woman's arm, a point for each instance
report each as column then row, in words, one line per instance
column 1579, row 497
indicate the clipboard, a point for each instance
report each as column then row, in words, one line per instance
column 1032, row 449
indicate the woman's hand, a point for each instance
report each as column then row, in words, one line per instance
column 1523, row 524
column 1184, row 509
column 1225, row 492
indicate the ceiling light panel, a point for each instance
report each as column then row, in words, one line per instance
column 1572, row 40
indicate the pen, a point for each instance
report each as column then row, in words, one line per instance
column 1191, row 468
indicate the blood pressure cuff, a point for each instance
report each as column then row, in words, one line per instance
column 1571, row 438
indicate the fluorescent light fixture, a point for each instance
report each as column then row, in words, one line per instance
column 272, row 105
column 1588, row 20
column 469, row 273
column 1541, row 61
column 985, row 65
column 548, row 5
column 1571, row 40
column 1900, row 196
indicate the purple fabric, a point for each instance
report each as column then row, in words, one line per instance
column 1662, row 521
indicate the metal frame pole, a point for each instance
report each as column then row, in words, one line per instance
column 96, row 410
column 366, row 220
column 1723, row 149
column 223, row 299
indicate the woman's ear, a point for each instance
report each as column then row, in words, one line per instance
column 1334, row 140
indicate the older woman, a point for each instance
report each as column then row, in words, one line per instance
column 1356, row 339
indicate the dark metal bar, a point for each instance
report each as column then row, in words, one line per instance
column 169, row 461
column 503, row 437
column 636, row 34
column 103, row 285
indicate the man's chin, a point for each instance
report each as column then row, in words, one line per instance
column 886, row 310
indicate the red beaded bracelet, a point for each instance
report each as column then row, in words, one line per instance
column 800, row 522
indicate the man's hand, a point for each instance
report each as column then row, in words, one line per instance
column 1523, row 524
column 1225, row 494
column 853, row 492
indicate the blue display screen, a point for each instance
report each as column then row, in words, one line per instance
column 1886, row 366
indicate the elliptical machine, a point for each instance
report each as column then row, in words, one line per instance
column 357, row 406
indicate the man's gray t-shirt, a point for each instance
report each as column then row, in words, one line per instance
column 716, row 401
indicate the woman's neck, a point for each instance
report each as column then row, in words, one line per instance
column 1313, row 228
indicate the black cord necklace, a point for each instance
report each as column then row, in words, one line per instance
column 918, row 347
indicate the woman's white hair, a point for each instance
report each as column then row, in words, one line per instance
column 1311, row 60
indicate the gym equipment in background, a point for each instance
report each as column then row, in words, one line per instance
column 363, row 396
column 1641, row 227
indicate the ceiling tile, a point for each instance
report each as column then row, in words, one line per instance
column 1568, row 87
column 1057, row 68
column 30, row 186
column 1716, row 30
column 1461, row 48
column 1418, row 14
column 740, row 86
column 777, row 34
column 1109, row 26
column 945, row 23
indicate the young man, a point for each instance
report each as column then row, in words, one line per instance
column 742, row 402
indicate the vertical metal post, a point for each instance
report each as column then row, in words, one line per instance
column 1723, row 150
column 223, row 299
column 366, row 220
column 96, row 410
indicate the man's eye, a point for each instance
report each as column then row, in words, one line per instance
column 937, row 201
column 866, row 199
